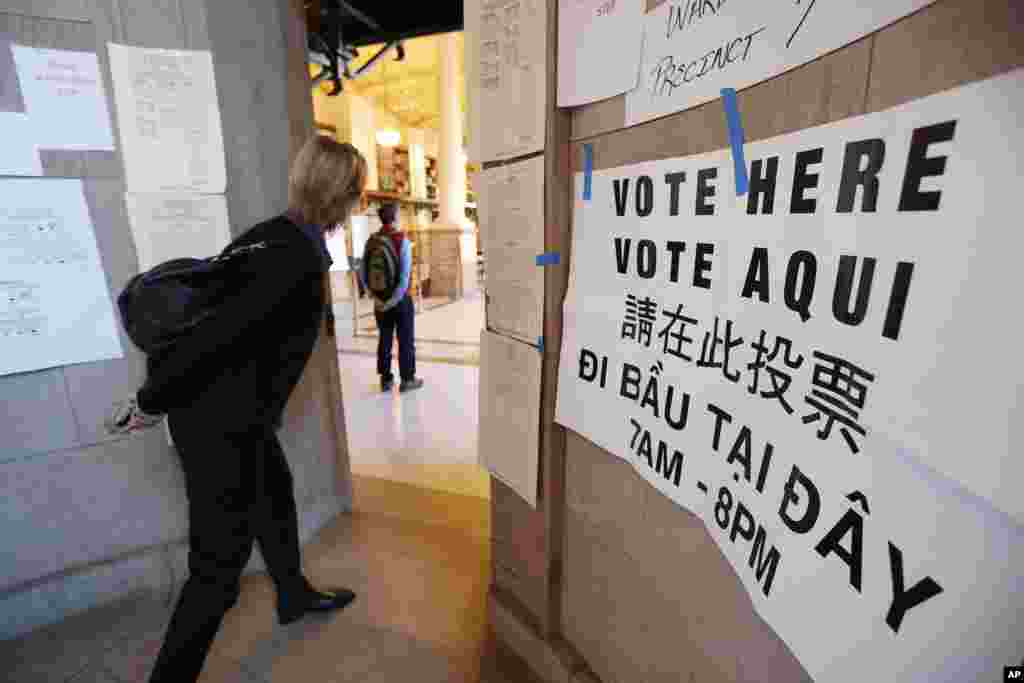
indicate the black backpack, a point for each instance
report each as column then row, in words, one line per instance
column 383, row 266
column 164, row 303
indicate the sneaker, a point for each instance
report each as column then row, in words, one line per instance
column 386, row 384
column 127, row 417
column 410, row 385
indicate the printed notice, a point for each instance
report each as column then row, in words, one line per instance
column 169, row 120
column 694, row 48
column 512, row 231
column 510, row 412
column 55, row 304
column 177, row 225
column 64, row 98
column 600, row 48
column 506, row 50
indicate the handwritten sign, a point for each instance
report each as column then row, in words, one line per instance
column 694, row 48
column 600, row 44
column 826, row 371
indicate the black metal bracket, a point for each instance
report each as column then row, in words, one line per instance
column 327, row 46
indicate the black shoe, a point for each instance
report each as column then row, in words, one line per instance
column 410, row 385
column 315, row 601
column 386, row 384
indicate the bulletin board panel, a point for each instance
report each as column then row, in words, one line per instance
column 663, row 575
column 527, row 543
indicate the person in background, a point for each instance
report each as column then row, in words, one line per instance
column 223, row 389
column 398, row 313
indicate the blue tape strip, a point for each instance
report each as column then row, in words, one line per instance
column 540, row 344
column 552, row 258
column 588, row 170
column 732, row 116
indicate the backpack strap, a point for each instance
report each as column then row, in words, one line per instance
column 246, row 249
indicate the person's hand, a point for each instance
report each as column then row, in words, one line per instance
column 127, row 417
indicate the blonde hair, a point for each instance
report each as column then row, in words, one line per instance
column 326, row 181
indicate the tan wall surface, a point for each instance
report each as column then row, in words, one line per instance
column 647, row 596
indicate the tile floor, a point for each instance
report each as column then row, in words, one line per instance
column 426, row 437
column 420, row 616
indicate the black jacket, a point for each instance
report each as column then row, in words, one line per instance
column 239, row 368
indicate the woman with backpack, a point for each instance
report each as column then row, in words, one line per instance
column 386, row 271
column 223, row 385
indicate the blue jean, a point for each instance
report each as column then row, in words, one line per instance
column 402, row 319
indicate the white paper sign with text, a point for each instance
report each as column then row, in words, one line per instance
column 55, row 301
column 827, row 371
column 600, row 47
column 65, row 99
column 169, row 119
column 694, row 48
column 506, row 77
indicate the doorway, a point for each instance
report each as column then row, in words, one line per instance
column 403, row 448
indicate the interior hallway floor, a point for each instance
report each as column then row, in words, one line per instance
column 420, row 615
column 426, row 437
column 416, row 550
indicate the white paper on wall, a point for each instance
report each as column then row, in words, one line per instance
column 55, row 304
column 169, row 120
column 338, row 252
column 510, row 412
column 600, row 49
column 694, row 48
column 64, row 98
column 19, row 155
column 826, row 370
column 361, row 231
column 169, row 225
column 506, row 41
column 511, row 200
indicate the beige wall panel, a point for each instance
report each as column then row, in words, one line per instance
column 602, row 614
column 951, row 43
column 607, row 493
column 518, row 557
column 599, row 117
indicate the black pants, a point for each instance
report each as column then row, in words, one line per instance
column 239, row 490
column 402, row 317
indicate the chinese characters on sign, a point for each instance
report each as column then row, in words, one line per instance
column 840, row 387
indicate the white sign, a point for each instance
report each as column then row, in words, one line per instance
column 600, row 48
column 55, row 305
column 827, row 370
column 177, row 225
column 506, row 48
column 339, row 253
column 64, row 98
column 20, row 156
column 512, row 232
column 362, row 227
column 169, row 120
column 694, row 48
column 510, row 412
